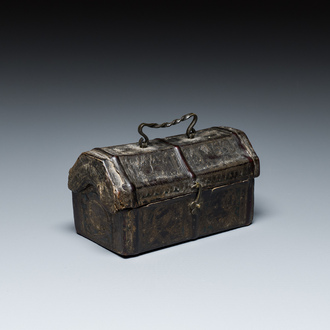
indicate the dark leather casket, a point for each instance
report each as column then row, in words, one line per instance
column 139, row 197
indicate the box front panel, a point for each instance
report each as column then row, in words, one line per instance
column 164, row 223
column 170, row 222
column 134, row 231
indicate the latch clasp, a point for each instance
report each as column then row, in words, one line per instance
column 195, row 204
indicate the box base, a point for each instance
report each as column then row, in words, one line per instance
column 133, row 232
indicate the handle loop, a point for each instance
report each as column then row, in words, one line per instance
column 144, row 141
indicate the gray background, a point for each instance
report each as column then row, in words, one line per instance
column 72, row 80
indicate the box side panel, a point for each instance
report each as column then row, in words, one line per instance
column 94, row 222
column 250, row 203
column 225, row 208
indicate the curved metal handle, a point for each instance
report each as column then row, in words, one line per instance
column 190, row 130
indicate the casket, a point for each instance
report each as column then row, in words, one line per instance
column 139, row 197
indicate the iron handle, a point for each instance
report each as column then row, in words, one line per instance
column 144, row 140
